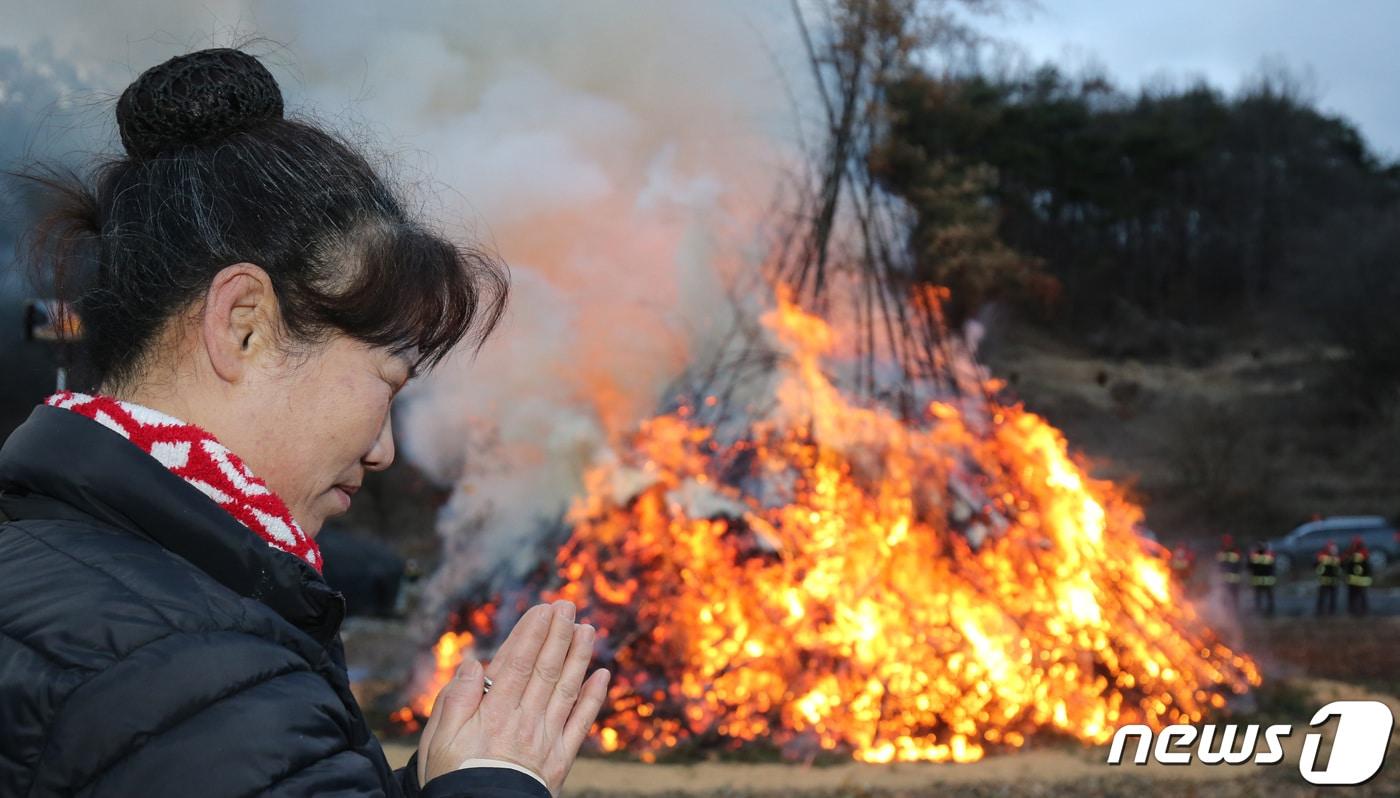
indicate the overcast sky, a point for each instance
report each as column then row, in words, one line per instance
column 1349, row 47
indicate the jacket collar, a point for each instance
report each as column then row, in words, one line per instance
column 64, row 457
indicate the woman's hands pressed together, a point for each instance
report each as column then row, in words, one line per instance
column 539, row 709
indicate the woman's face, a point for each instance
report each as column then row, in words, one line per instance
column 327, row 423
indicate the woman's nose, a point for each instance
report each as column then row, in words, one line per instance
column 382, row 454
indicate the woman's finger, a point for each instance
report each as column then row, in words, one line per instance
column 512, row 642
column 434, row 718
column 425, row 740
column 570, row 685
column 549, row 665
column 511, row 671
column 590, row 701
column 460, row 699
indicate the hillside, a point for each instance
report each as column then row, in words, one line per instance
column 1241, row 430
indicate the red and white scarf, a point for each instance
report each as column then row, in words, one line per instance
column 198, row 458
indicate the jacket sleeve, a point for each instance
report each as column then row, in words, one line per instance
column 226, row 713
column 477, row 782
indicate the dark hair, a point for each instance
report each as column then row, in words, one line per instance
column 214, row 175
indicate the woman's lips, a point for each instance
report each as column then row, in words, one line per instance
column 344, row 493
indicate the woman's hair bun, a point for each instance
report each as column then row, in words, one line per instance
column 195, row 99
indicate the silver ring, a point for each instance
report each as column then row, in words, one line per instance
column 486, row 684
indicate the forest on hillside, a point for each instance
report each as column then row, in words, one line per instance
column 1179, row 206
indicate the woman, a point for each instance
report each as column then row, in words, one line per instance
column 259, row 297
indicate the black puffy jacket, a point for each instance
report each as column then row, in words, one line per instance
column 150, row 645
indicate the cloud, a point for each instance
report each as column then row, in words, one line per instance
column 1347, row 48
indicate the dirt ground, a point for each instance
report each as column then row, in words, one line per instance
column 1059, row 770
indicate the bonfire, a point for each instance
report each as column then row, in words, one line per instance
column 831, row 576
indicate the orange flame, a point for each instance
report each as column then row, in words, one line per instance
column 860, row 598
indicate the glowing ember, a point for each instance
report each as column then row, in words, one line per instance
column 839, row 579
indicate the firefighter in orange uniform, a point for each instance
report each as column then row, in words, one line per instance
column 1329, row 574
column 1231, row 564
column 1262, row 578
column 1356, row 563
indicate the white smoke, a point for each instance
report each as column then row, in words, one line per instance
column 620, row 156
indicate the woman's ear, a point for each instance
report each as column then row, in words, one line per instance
column 240, row 319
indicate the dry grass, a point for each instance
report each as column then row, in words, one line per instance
column 1056, row 769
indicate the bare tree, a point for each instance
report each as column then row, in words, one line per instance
column 848, row 230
